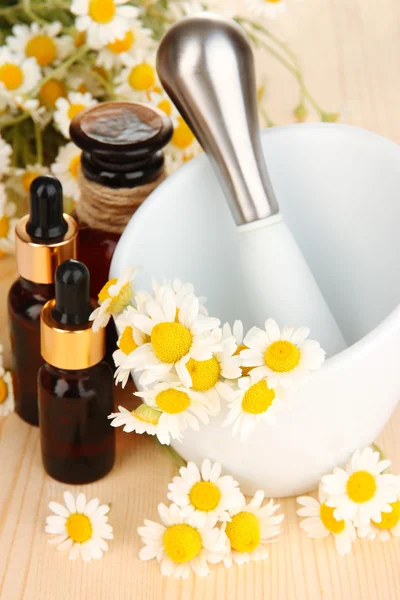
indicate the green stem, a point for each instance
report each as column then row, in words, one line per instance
column 15, row 145
column 152, row 12
column 13, row 120
column 26, row 6
column 173, row 455
column 105, row 84
column 382, row 455
column 77, row 55
column 39, row 143
column 266, row 116
column 274, row 38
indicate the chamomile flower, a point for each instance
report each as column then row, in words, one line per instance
column 143, row 419
column 67, row 108
column 180, row 289
column 183, row 145
column 17, row 75
column 136, row 37
column 321, row 523
column 250, row 528
column 252, row 401
column 83, row 80
column 103, row 20
column 360, row 491
column 139, row 78
column 7, row 223
column 51, row 90
column 205, row 491
column 388, row 526
column 180, row 407
column 130, row 338
column 178, row 332
column 66, row 169
column 162, row 102
column 286, row 357
column 40, row 42
column 6, row 393
column 182, row 544
column 114, row 297
column 5, row 157
column 24, row 177
column 237, row 332
column 80, row 527
column 267, row 9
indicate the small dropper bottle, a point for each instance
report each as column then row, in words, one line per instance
column 44, row 239
column 75, row 384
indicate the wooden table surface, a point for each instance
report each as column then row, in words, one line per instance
column 351, row 54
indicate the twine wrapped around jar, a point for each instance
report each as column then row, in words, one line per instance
column 110, row 209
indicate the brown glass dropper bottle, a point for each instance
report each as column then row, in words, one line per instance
column 44, row 239
column 76, row 385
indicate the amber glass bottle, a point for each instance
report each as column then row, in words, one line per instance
column 44, row 239
column 75, row 384
column 122, row 152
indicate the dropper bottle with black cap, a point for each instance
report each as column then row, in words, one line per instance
column 44, row 239
column 76, row 385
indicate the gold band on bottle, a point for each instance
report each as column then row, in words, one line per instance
column 38, row 262
column 74, row 348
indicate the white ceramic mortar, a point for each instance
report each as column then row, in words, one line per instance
column 339, row 191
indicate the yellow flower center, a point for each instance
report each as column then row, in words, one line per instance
column 166, row 106
column 361, row 487
column 4, row 226
column 244, row 532
column 245, row 370
column 147, row 414
column 126, row 342
column 118, row 302
column 389, row 519
column 182, row 542
column 204, row 373
column 327, row 518
column 273, row 1
column 3, row 390
column 142, row 77
column 172, row 401
column 104, row 295
column 74, row 109
column 50, row 92
column 258, row 398
column 43, row 48
column 182, row 137
column 205, row 496
column 171, row 341
column 27, row 179
column 79, row 528
column 80, row 38
column 102, row 11
column 282, row 356
column 74, row 166
column 11, row 75
column 122, row 45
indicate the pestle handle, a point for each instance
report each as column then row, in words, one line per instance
column 206, row 65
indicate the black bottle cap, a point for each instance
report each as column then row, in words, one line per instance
column 72, row 283
column 46, row 221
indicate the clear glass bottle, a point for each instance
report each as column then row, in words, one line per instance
column 75, row 384
column 44, row 239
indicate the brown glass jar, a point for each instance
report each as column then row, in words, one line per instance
column 75, row 384
column 122, row 162
column 44, row 239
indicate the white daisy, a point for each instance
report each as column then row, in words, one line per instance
column 24, row 178
column 179, row 288
column 32, row 106
column 183, row 145
column 388, row 526
column 136, row 37
column 143, row 419
column 5, row 157
column 177, row 332
column 237, row 332
column 180, row 407
column 267, row 9
column 7, row 223
column 17, row 75
column 66, row 169
column 205, row 492
column 83, row 80
column 6, row 393
column 80, row 527
column 129, row 339
column 183, row 543
column 114, row 297
column 139, row 78
column 286, row 357
column 320, row 523
column 40, row 42
column 360, row 492
column 250, row 528
column 51, row 90
column 103, row 20
column 161, row 101
column 252, row 401
column 67, row 108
